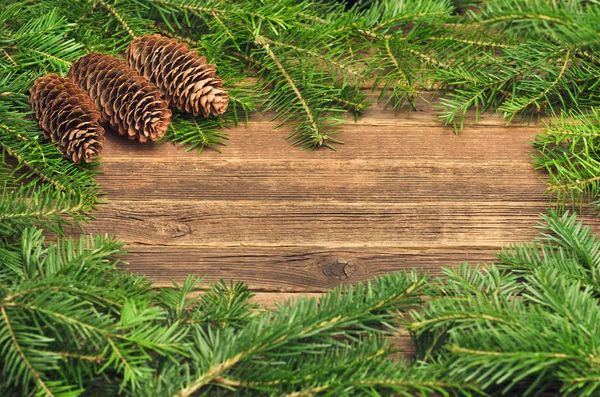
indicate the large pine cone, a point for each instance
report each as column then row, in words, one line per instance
column 128, row 102
column 68, row 117
column 183, row 77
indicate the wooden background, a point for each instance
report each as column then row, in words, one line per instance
column 403, row 192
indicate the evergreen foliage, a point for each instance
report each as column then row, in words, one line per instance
column 524, row 326
column 72, row 323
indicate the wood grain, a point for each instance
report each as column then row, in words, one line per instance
column 352, row 180
column 292, row 269
column 331, row 224
column 404, row 192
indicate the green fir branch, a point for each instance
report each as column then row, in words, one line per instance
column 337, row 313
column 198, row 134
column 525, row 326
column 567, row 150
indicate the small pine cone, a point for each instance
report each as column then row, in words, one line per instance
column 183, row 77
column 128, row 102
column 68, row 117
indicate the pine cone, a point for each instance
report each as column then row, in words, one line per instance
column 68, row 116
column 183, row 77
column 128, row 102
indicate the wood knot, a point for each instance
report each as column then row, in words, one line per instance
column 340, row 269
column 173, row 229
column 182, row 229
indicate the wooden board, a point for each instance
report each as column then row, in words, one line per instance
column 403, row 192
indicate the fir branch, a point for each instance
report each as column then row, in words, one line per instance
column 516, row 17
column 577, row 185
column 567, row 150
column 360, row 303
column 409, row 16
column 182, row 4
column 227, row 31
column 28, row 206
column 96, row 359
column 507, row 333
column 317, row 135
column 34, row 373
column 53, row 57
column 473, row 42
column 404, row 82
column 398, row 68
column 353, row 105
column 69, row 290
column 119, row 18
column 40, row 43
column 238, row 10
column 345, row 68
column 10, row 59
column 538, row 355
column 481, row 318
column 517, row 104
column 200, row 134
column 30, row 165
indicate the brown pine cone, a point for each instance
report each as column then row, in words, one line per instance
column 183, row 77
column 128, row 102
column 68, row 117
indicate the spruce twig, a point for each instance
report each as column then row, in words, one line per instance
column 34, row 373
column 121, row 20
column 318, row 136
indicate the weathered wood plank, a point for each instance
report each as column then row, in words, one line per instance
column 354, row 180
column 392, row 142
column 292, row 269
column 333, row 224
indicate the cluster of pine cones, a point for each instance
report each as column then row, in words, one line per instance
column 130, row 97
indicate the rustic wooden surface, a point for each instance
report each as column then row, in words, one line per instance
column 403, row 192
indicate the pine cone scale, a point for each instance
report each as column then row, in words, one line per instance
column 61, row 119
column 70, row 118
